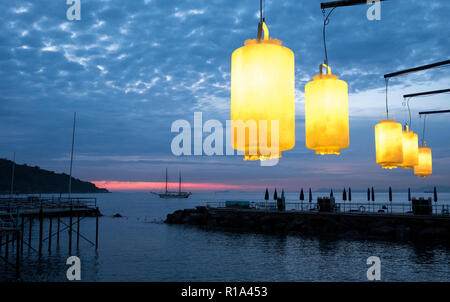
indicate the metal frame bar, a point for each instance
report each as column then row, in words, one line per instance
column 415, row 69
column 342, row 3
column 426, row 93
column 434, row 112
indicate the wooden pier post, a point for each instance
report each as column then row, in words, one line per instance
column 7, row 246
column 22, row 230
column 30, row 231
column 78, row 231
column 96, row 228
column 18, row 254
column 41, row 229
column 58, row 228
column 50, row 234
column 70, row 231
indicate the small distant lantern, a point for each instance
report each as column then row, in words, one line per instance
column 410, row 149
column 326, row 113
column 389, row 144
column 424, row 167
column 262, row 91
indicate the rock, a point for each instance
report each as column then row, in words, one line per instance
column 117, row 215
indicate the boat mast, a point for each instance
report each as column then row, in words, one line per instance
column 179, row 185
column 12, row 174
column 166, row 180
column 71, row 155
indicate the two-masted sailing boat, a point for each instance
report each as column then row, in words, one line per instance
column 167, row 194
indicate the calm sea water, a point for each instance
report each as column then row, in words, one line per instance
column 139, row 247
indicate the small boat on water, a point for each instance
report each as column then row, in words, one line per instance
column 173, row 195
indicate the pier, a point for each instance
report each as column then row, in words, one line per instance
column 60, row 213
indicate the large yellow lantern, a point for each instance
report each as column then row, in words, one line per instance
column 424, row 167
column 262, row 98
column 389, row 144
column 410, row 149
column 326, row 114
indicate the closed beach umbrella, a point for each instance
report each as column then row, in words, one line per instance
column 275, row 195
column 349, row 194
column 368, row 194
column 266, row 196
column 310, row 195
column 344, row 195
column 435, row 195
column 302, row 196
column 373, row 195
column 331, row 193
column 409, row 194
column 282, row 194
column 390, row 194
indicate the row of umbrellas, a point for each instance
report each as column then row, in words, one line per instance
column 370, row 194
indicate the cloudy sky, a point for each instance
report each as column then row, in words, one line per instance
column 131, row 68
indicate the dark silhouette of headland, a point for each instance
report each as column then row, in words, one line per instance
column 31, row 180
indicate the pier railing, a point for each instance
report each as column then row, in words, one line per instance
column 349, row 207
column 32, row 203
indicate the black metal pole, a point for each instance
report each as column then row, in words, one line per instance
column 426, row 93
column 343, row 3
column 434, row 112
column 415, row 69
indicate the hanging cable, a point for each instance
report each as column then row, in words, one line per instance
column 423, row 133
column 260, row 11
column 387, row 108
column 409, row 112
column 261, row 20
column 325, row 23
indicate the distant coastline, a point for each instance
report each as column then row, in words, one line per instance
column 34, row 180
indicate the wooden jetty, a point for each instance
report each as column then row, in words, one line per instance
column 16, row 222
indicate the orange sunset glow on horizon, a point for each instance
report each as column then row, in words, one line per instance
column 173, row 186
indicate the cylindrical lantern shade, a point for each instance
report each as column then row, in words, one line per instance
column 410, row 149
column 389, row 144
column 326, row 114
column 424, row 167
column 262, row 91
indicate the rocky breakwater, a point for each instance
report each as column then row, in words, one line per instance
column 337, row 225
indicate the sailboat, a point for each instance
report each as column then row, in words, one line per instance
column 169, row 195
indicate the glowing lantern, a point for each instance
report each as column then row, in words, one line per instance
column 424, row 167
column 410, row 149
column 389, row 144
column 262, row 91
column 326, row 114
